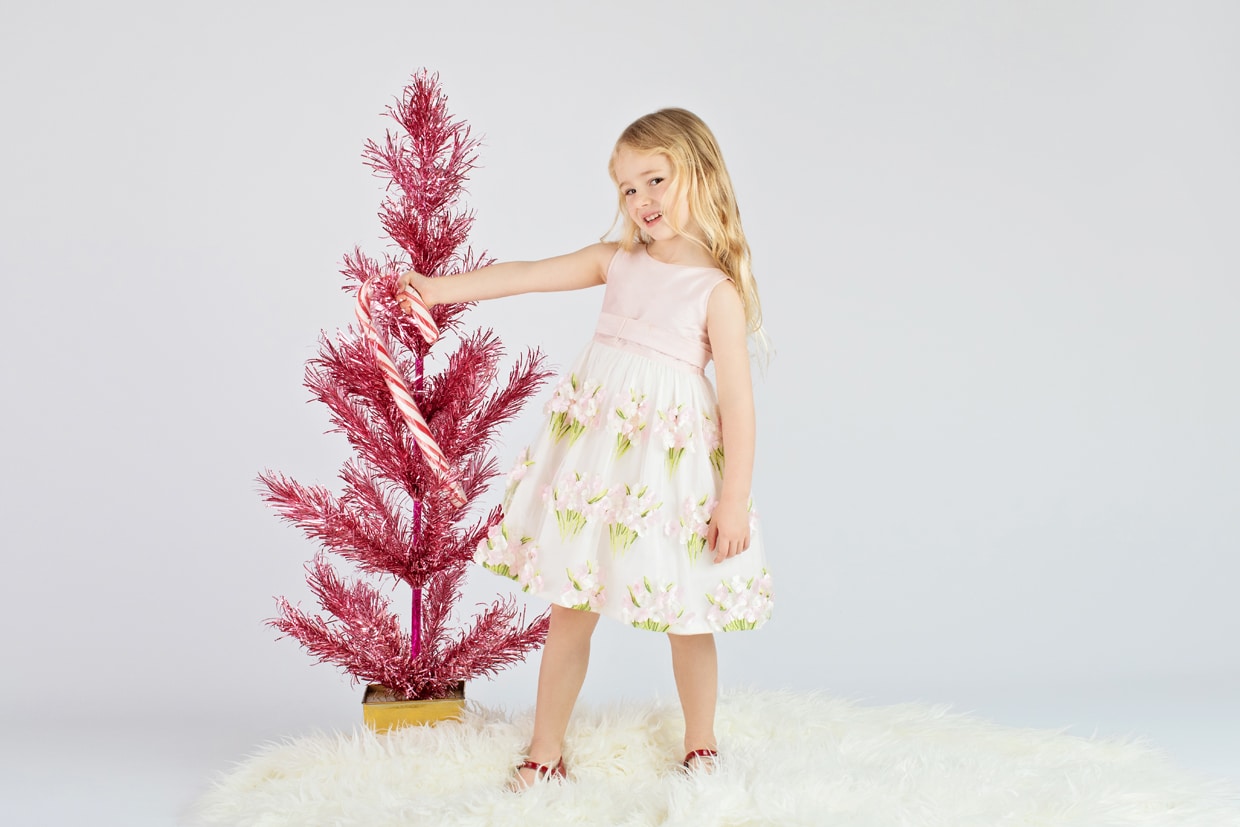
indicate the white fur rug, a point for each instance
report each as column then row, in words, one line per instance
column 788, row 759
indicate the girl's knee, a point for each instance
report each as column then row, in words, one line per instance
column 700, row 641
column 573, row 621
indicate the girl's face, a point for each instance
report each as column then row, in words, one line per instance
column 651, row 195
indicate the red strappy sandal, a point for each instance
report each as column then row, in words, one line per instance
column 699, row 756
column 541, row 773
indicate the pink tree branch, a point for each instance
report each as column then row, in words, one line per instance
column 363, row 636
column 498, row 638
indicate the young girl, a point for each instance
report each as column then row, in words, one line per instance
column 634, row 502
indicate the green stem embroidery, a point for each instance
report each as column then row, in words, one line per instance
column 673, row 459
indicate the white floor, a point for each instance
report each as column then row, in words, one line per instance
column 142, row 773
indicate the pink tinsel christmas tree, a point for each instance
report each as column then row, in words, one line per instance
column 395, row 517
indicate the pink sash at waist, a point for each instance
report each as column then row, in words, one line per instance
column 623, row 331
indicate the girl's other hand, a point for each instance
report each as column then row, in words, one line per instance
column 728, row 532
column 419, row 282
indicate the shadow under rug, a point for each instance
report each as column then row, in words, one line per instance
column 786, row 759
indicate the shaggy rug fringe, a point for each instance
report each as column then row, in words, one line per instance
column 788, row 759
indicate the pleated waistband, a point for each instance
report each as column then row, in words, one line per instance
column 641, row 337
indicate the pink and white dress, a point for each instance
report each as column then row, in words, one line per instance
column 607, row 511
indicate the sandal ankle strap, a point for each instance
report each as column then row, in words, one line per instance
column 699, row 753
column 542, row 770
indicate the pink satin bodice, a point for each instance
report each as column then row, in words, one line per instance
column 656, row 308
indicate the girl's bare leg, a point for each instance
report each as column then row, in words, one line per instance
column 696, row 667
column 565, row 656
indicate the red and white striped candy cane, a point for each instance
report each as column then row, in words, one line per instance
column 396, row 383
column 422, row 317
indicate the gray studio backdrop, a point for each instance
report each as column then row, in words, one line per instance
column 996, row 245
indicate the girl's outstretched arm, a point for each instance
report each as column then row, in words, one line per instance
column 728, row 534
column 585, row 268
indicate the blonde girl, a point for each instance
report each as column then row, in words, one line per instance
column 634, row 501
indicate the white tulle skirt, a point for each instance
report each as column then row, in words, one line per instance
column 608, row 510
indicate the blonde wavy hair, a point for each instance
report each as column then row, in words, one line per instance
column 697, row 165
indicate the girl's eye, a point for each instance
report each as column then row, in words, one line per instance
column 654, row 182
column 629, row 191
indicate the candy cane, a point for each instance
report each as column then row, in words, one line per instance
column 422, row 318
column 425, row 324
